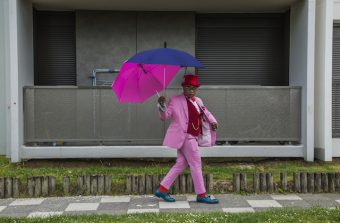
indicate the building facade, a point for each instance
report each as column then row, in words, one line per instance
column 270, row 68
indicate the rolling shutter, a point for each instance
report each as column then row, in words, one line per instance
column 336, row 82
column 54, row 43
column 243, row 49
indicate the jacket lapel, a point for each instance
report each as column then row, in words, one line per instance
column 184, row 105
column 202, row 108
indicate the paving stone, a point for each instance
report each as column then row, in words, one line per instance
column 83, row 199
column 181, row 197
column 332, row 196
column 2, row 208
column 18, row 210
column 258, row 197
column 135, row 211
column 293, row 204
column 6, row 202
column 197, row 205
column 31, row 201
column 263, row 203
column 111, row 212
column 176, row 210
column 315, row 197
column 191, row 197
column 286, row 197
column 238, row 210
column 17, row 215
column 114, row 199
column 143, row 202
column 229, row 201
column 319, row 200
column 49, row 207
column 82, row 207
column 43, row 214
column 265, row 209
column 174, row 205
column 200, row 210
column 80, row 213
column 113, row 206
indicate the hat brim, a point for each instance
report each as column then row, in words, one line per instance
column 184, row 84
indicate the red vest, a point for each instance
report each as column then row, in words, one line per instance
column 194, row 125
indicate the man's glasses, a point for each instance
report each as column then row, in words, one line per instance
column 187, row 87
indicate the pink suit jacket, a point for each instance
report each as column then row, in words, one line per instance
column 177, row 109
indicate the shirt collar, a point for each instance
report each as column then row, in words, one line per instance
column 193, row 99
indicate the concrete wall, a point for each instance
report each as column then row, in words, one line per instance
column 20, row 71
column 301, row 70
column 3, row 71
column 105, row 39
column 25, row 56
column 323, row 79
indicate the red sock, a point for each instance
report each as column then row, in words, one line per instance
column 162, row 189
column 202, row 195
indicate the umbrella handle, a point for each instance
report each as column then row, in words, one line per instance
column 157, row 93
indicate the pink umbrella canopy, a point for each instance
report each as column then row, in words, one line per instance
column 138, row 82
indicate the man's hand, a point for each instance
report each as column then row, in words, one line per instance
column 161, row 100
column 214, row 126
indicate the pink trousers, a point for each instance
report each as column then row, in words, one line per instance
column 188, row 154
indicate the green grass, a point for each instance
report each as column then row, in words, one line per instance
column 317, row 215
column 222, row 170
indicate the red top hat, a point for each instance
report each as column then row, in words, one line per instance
column 190, row 79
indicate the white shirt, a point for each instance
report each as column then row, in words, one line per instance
column 196, row 106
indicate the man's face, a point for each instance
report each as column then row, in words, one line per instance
column 189, row 90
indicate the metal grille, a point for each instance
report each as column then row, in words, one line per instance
column 336, row 83
column 55, row 58
column 242, row 49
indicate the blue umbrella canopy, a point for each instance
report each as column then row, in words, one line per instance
column 166, row 56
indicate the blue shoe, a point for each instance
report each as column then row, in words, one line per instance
column 164, row 196
column 207, row 200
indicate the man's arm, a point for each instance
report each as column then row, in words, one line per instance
column 210, row 117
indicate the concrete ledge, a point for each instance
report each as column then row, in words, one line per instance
column 157, row 151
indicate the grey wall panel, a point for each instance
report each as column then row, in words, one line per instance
column 294, row 113
column 113, row 119
column 55, row 113
column 85, row 124
column 175, row 28
column 3, row 69
column 146, row 122
column 257, row 113
column 104, row 40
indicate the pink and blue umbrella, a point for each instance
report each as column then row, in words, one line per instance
column 150, row 72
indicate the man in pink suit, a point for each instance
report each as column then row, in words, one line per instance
column 192, row 125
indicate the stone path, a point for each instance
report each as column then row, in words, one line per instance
column 42, row 207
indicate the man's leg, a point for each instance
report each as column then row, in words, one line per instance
column 192, row 155
column 177, row 169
